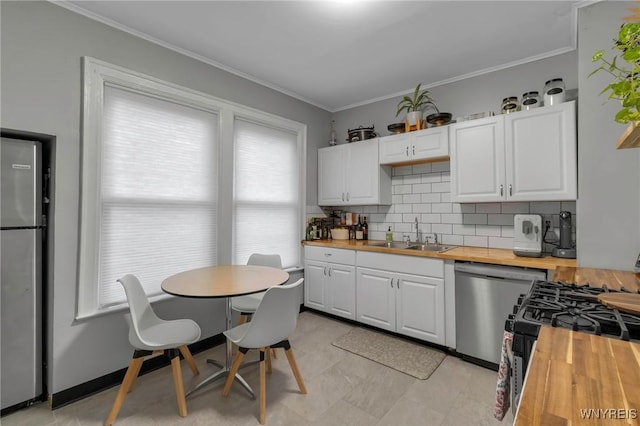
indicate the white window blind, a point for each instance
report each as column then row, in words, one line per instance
column 267, row 208
column 159, row 190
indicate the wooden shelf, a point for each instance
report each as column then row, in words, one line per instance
column 631, row 137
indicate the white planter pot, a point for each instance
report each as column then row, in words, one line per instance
column 414, row 117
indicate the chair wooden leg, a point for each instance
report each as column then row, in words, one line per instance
column 268, row 353
column 177, row 380
column 186, row 353
column 127, row 382
column 232, row 373
column 263, row 388
column 133, row 382
column 243, row 318
column 296, row 371
column 275, row 353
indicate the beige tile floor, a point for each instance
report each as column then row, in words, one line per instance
column 343, row 389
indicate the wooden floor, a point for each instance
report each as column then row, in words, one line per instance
column 343, row 389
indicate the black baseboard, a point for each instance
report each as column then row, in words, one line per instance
column 83, row 390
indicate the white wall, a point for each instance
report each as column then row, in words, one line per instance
column 608, row 179
column 41, row 47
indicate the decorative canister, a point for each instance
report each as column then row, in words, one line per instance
column 531, row 100
column 510, row 104
column 554, row 92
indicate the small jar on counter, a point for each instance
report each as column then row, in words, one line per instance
column 531, row 100
column 554, row 93
column 510, row 104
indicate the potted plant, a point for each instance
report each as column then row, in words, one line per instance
column 415, row 104
column 625, row 85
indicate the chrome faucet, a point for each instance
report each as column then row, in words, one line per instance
column 417, row 232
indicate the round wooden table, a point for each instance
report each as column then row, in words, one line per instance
column 224, row 281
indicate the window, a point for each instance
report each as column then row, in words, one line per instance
column 158, row 197
column 267, row 206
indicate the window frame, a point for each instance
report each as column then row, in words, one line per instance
column 97, row 74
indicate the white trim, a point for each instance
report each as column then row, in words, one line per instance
column 96, row 75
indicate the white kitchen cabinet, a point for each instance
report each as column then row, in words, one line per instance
column 414, row 147
column 350, row 174
column 330, row 282
column 522, row 156
column 410, row 303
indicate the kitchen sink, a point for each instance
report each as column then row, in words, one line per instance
column 394, row 244
column 438, row 248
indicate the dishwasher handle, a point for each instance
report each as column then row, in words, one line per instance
column 506, row 272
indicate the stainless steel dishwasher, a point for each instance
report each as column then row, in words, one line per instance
column 485, row 295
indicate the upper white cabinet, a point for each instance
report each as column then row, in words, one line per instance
column 350, row 174
column 415, row 146
column 523, row 156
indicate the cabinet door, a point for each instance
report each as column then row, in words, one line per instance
column 477, row 160
column 420, row 307
column 540, row 147
column 362, row 174
column 430, row 143
column 395, row 149
column 341, row 289
column 375, row 298
column 331, row 168
column 315, row 285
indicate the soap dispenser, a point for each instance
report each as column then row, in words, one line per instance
column 389, row 236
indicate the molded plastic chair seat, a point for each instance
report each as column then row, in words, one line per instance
column 150, row 335
column 248, row 304
column 272, row 324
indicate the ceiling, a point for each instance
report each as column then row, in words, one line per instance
column 341, row 54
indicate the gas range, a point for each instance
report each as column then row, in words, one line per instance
column 570, row 306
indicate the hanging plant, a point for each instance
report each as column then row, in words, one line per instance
column 625, row 70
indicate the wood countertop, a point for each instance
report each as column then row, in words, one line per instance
column 465, row 253
column 614, row 280
column 574, row 372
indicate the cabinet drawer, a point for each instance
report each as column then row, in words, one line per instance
column 406, row 264
column 325, row 254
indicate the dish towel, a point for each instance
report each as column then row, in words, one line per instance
column 503, row 387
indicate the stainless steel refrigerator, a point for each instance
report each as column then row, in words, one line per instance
column 21, row 241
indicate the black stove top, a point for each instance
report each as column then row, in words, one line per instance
column 574, row 307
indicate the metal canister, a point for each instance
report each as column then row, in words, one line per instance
column 509, row 105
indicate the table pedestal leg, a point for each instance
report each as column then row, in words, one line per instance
column 224, row 371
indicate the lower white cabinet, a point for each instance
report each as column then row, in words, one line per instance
column 405, row 303
column 330, row 281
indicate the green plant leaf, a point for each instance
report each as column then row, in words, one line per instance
column 598, row 55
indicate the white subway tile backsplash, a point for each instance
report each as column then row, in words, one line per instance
column 440, row 228
column 500, row 219
column 422, row 208
column 501, row 242
column 411, row 198
column 442, row 207
column 431, row 198
column 441, row 187
column 423, row 191
column 422, row 188
column 452, row 217
column 520, row 208
column 442, row 166
column 474, row 218
column 432, row 178
column 456, row 240
column 489, row 230
column 421, row 168
column 464, row 229
column 488, row 208
column 475, row 241
column 429, row 218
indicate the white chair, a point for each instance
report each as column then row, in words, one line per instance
column 151, row 335
column 248, row 304
column 271, row 325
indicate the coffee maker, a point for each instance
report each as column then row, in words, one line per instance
column 565, row 248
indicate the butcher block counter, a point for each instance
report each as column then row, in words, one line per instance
column 575, row 375
column 464, row 253
column 613, row 279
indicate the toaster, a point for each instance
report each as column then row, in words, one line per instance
column 527, row 235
